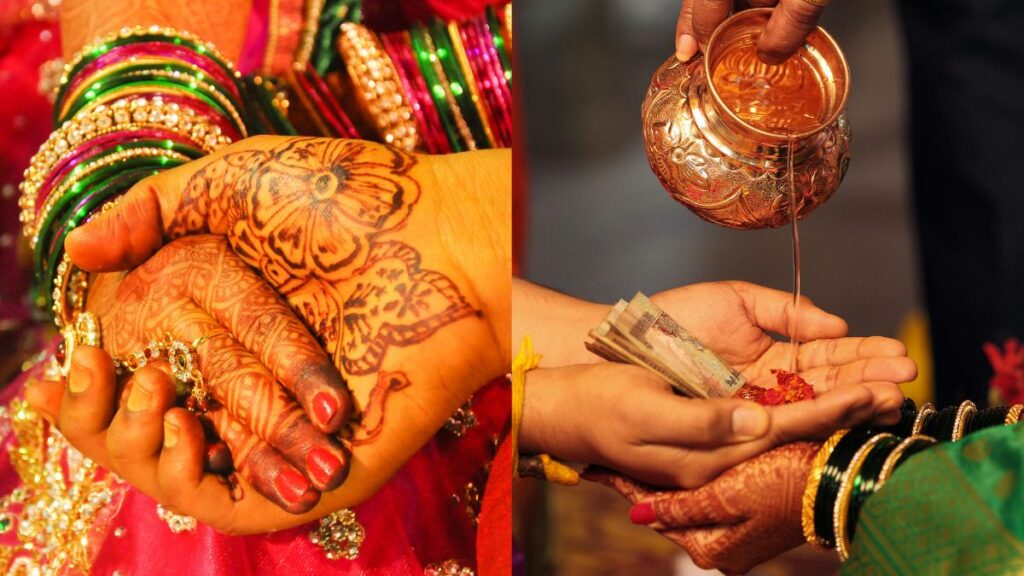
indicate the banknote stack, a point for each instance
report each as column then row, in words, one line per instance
column 638, row 332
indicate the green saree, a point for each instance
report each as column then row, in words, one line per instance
column 957, row 508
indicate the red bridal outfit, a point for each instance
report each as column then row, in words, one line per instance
column 447, row 511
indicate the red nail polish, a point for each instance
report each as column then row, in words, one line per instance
column 291, row 485
column 322, row 465
column 642, row 513
column 325, row 406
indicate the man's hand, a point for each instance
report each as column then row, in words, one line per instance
column 791, row 22
column 625, row 418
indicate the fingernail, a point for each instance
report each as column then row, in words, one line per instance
column 642, row 513
column 138, row 398
column 325, row 406
column 170, row 434
column 291, row 485
column 322, row 465
column 686, row 47
column 218, row 458
column 750, row 421
column 80, row 377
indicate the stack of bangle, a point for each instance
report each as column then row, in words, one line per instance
column 854, row 464
column 135, row 103
column 438, row 87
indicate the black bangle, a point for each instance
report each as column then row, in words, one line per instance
column 988, row 417
column 940, row 426
column 867, row 482
column 831, row 478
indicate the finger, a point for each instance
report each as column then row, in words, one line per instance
column 707, row 15
column 772, row 310
column 699, row 423
column 895, row 369
column 89, row 402
column 135, row 435
column 134, row 229
column 686, row 42
column 888, row 398
column 790, row 24
column 185, row 486
column 836, row 351
column 245, row 304
column 263, row 467
column 681, row 509
column 252, row 395
column 44, row 396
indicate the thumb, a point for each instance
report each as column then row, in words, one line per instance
column 127, row 234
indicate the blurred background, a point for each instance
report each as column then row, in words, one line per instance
column 601, row 227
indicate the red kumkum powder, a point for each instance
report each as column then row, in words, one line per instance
column 789, row 388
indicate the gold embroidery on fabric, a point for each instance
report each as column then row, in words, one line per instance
column 339, row 534
column 448, row 568
column 463, row 419
column 60, row 497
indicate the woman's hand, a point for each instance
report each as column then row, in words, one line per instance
column 262, row 366
column 160, row 448
column 624, row 418
column 392, row 260
column 737, row 320
column 747, row 516
column 791, row 22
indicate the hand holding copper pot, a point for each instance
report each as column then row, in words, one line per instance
column 721, row 129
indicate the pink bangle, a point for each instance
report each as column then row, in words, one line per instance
column 399, row 47
column 490, row 85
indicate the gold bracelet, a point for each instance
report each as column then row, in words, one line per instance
column 91, row 167
column 842, row 505
column 1013, row 415
column 890, row 463
column 93, row 122
column 922, row 416
column 966, row 410
column 377, row 86
column 811, row 490
column 84, row 330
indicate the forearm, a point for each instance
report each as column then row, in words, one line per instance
column 557, row 323
column 221, row 23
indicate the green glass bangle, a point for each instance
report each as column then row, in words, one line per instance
column 866, row 482
column 831, row 478
column 102, row 190
column 262, row 107
column 96, row 178
column 105, row 83
column 457, row 83
column 989, row 417
column 157, row 84
column 437, row 92
column 940, row 426
column 494, row 27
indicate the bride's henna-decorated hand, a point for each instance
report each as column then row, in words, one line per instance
column 393, row 260
column 748, row 515
column 255, row 354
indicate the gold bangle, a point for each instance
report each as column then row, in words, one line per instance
column 84, row 330
column 93, row 122
column 377, row 86
column 87, row 169
column 966, row 410
column 842, row 504
column 1013, row 415
column 811, row 490
column 922, row 415
column 467, row 72
column 310, row 26
column 890, row 463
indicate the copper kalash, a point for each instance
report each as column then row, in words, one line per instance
column 724, row 148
